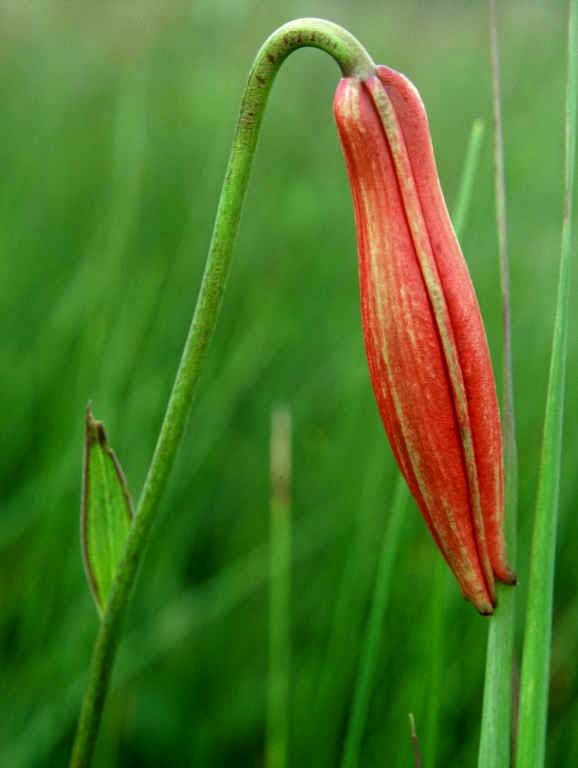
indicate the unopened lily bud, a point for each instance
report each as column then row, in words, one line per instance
column 426, row 346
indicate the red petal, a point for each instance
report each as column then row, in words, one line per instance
column 464, row 312
column 407, row 363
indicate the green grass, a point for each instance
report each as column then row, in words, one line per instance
column 535, row 672
column 114, row 135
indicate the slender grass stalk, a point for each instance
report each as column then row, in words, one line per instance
column 393, row 531
column 469, row 170
column 353, row 61
column 534, row 684
column 496, row 727
column 389, row 549
column 280, row 591
column 435, row 665
column 414, row 741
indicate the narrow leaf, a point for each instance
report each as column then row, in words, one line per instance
column 496, row 728
column 277, row 738
column 534, row 684
column 106, row 511
column 414, row 741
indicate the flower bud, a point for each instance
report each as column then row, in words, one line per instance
column 426, row 346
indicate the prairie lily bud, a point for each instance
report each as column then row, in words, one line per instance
column 425, row 342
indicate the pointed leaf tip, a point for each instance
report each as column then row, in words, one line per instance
column 106, row 511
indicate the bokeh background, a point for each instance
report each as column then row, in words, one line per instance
column 115, row 125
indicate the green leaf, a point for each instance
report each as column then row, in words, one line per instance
column 106, row 511
column 535, row 675
column 496, row 728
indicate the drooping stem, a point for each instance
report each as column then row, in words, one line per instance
column 353, row 61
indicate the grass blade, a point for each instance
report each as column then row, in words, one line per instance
column 414, row 741
column 536, row 659
column 279, row 594
column 470, row 167
column 495, row 737
column 436, row 665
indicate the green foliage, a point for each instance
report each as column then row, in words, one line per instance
column 114, row 135
column 106, row 511
column 534, row 687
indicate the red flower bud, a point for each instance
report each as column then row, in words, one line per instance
column 425, row 342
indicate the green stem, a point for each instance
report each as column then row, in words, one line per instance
column 280, row 591
column 436, row 665
column 353, row 61
column 468, row 177
column 534, row 682
column 496, row 728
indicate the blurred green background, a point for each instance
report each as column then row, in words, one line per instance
column 115, row 126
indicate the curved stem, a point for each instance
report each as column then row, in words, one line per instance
column 353, row 61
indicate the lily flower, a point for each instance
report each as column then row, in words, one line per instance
column 425, row 342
